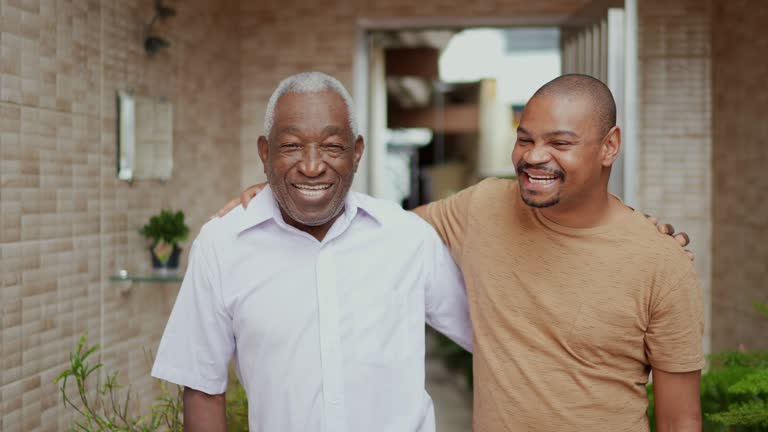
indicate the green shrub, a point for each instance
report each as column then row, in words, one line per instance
column 104, row 405
column 107, row 407
column 734, row 391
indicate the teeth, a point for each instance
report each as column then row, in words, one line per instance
column 312, row 191
column 312, row 187
column 541, row 180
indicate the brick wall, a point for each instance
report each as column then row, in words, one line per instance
column 67, row 223
column 674, row 115
column 740, row 157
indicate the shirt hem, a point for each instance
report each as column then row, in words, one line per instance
column 178, row 378
column 679, row 367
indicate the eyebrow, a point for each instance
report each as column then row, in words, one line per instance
column 552, row 134
column 332, row 130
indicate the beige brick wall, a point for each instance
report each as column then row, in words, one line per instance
column 740, row 158
column 66, row 222
column 674, row 115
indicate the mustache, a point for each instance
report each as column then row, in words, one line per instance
column 524, row 165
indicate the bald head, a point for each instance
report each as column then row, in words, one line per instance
column 584, row 87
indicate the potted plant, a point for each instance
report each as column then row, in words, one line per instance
column 166, row 230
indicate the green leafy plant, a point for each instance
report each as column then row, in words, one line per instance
column 734, row 390
column 103, row 405
column 167, row 226
column 106, row 406
column 166, row 230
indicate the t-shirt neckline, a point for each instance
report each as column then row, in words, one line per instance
column 581, row 232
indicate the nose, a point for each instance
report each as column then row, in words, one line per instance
column 537, row 155
column 312, row 163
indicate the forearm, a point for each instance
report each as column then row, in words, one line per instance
column 204, row 412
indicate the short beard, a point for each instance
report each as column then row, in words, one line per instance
column 545, row 204
column 554, row 201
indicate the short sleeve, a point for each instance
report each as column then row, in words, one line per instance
column 450, row 217
column 673, row 339
column 447, row 309
column 198, row 341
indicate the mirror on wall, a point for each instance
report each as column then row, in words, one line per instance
column 144, row 137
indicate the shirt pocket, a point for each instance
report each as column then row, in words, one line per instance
column 603, row 333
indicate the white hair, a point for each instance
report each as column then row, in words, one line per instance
column 309, row 82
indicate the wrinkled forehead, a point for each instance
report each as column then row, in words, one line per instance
column 311, row 112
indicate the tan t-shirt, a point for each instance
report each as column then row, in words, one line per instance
column 568, row 322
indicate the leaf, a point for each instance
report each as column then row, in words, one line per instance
column 754, row 384
column 751, row 413
column 167, row 226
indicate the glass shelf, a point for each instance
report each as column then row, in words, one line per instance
column 166, row 277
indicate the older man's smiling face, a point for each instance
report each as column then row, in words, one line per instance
column 310, row 158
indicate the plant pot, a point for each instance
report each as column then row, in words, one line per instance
column 170, row 265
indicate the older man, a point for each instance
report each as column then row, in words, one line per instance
column 319, row 294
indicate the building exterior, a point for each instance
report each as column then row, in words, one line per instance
column 67, row 223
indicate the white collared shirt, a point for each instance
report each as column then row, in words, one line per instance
column 326, row 335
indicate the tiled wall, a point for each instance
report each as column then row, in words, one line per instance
column 67, row 222
column 740, row 158
column 675, row 142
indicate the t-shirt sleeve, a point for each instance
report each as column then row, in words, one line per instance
column 673, row 339
column 450, row 217
column 198, row 341
column 447, row 309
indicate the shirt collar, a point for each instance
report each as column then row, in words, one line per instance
column 264, row 207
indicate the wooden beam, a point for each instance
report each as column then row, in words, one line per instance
column 592, row 13
column 453, row 118
column 415, row 62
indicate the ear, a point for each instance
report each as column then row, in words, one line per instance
column 611, row 146
column 359, row 148
column 263, row 147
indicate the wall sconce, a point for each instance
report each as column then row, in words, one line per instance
column 153, row 44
